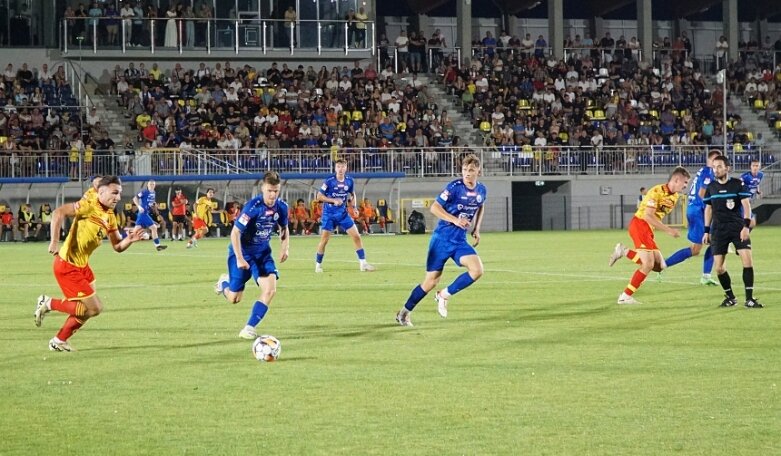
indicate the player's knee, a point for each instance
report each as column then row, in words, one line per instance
column 476, row 272
column 696, row 248
column 93, row 309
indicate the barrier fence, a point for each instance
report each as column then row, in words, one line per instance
column 415, row 162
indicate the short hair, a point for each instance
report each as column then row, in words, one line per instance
column 271, row 178
column 722, row 159
column 340, row 160
column 642, row 189
column 471, row 159
column 211, row 190
column 680, row 171
column 755, row 160
column 714, row 153
column 105, row 181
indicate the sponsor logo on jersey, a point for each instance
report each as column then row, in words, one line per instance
column 269, row 212
column 244, row 219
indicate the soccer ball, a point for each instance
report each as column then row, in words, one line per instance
column 266, row 348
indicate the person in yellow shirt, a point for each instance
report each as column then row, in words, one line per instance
column 92, row 221
column 201, row 218
column 657, row 203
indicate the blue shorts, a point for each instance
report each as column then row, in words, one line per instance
column 144, row 220
column 330, row 222
column 441, row 249
column 696, row 218
column 261, row 265
column 753, row 215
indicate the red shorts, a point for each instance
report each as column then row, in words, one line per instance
column 75, row 282
column 642, row 234
column 199, row 224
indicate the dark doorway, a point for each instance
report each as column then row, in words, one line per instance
column 527, row 203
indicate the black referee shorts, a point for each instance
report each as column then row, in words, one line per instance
column 720, row 241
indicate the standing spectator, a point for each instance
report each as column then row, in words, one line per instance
column 540, row 47
column 127, row 22
column 112, row 24
column 722, row 47
column 95, row 12
column 402, row 48
column 290, row 22
column 360, row 27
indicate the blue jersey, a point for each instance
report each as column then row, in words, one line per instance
column 147, row 199
column 332, row 188
column 462, row 202
column 257, row 223
column 752, row 182
column 701, row 180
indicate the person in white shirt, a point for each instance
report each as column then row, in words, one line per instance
column 127, row 14
column 345, row 85
column 92, row 117
column 52, row 119
column 402, row 47
column 232, row 96
column 394, row 105
column 258, row 120
column 722, row 46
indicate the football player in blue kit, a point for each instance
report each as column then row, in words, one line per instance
column 249, row 252
column 752, row 179
column 335, row 193
column 459, row 206
column 145, row 200
column 695, row 217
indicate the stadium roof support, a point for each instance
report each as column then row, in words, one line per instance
column 645, row 28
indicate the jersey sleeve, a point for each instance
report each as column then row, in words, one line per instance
column 447, row 194
column 283, row 214
column 246, row 216
column 324, row 188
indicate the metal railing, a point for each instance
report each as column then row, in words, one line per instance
column 197, row 34
column 415, row 162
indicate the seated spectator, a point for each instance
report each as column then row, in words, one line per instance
column 7, row 224
column 368, row 215
column 45, row 217
column 302, row 222
column 26, row 219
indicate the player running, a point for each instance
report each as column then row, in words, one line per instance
column 752, row 179
column 145, row 200
column 203, row 207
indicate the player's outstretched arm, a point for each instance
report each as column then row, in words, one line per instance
column 59, row 214
column 119, row 244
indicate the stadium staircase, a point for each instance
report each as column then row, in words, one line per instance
column 111, row 117
column 755, row 123
column 461, row 122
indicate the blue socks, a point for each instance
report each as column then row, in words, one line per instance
column 414, row 298
column 461, row 282
column 361, row 254
column 319, row 257
column 157, row 241
column 258, row 312
column 680, row 256
column 707, row 262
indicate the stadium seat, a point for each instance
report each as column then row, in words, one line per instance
column 524, row 104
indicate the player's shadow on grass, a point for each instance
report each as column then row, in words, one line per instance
column 164, row 346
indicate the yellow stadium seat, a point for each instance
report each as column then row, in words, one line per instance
column 778, row 125
column 524, row 104
column 3, row 139
column 654, row 113
column 730, row 124
column 683, row 112
column 750, row 136
column 128, row 206
column 162, row 206
column 599, row 115
column 759, row 104
column 564, row 136
column 485, row 126
column 2, row 208
column 589, row 114
column 737, row 147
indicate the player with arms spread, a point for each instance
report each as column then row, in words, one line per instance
column 657, row 204
column 249, row 253
column 92, row 221
column 460, row 205
column 727, row 199
column 335, row 193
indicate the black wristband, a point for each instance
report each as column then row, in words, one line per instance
column 707, row 229
column 747, row 222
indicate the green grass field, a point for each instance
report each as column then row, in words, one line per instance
column 535, row 358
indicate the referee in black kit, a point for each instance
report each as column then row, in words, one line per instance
column 727, row 220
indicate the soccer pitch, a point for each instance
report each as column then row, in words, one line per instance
column 535, row 358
